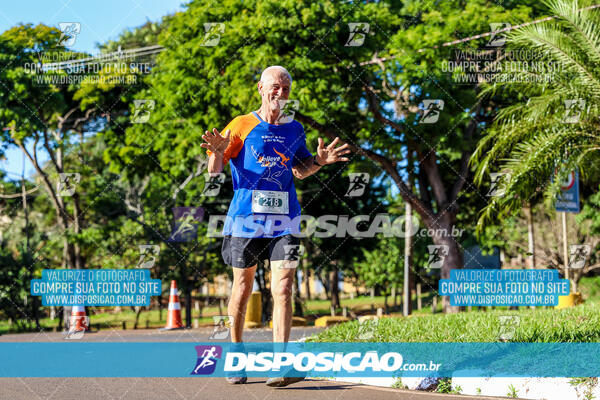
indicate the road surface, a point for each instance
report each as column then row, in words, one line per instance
column 189, row 388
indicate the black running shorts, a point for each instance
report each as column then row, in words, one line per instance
column 240, row 252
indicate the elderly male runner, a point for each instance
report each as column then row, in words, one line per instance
column 265, row 153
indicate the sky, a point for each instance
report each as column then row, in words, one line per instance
column 100, row 20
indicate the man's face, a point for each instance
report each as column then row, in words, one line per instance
column 274, row 88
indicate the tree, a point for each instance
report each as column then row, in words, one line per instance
column 552, row 127
column 143, row 211
column 548, row 249
column 18, row 240
column 331, row 255
column 382, row 267
column 394, row 85
column 370, row 94
column 44, row 114
column 107, row 216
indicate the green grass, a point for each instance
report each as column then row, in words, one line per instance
column 590, row 287
column 107, row 319
column 398, row 384
column 576, row 324
column 445, row 386
column 586, row 384
column 110, row 320
column 322, row 307
column 512, row 392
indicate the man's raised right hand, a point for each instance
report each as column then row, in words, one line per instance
column 215, row 142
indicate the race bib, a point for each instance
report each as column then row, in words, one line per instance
column 270, row 202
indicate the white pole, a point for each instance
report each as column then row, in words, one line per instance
column 565, row 246
column 407, row 245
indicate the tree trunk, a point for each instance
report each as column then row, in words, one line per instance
column 138, row 311
column 530, row 239
column 36, row 312
column 71, row 264
column 306, row 276
column 188, row 305
column 160, row 305
column 333, row 288
column 297, row 300
column 530, row 236
column 385, row 303
column 406, row 298
column 325, row 283
column 78, row 261
column 61, row 320
column 452, row 260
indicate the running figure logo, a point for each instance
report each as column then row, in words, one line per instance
column 222, row 323
column 367, row 328
column 287, row 110
column 67, row 183
column 437, row 254
column 358, row 183
column 293, row 252
column 579, row 255
column 358, row 34
column 498, row 183
column 212, row 36
column 74, row 331
column 213, row 183
column 185, row 228
column 207, row 359
column 431, row 111
column 508, row 326
column 498, row 34
column 573, row 110
column 68, row 33
column 141, row 110
column 148, row 254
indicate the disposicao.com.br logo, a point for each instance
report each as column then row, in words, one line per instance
column 258, row 358
column 324, row 226
column 322, row 362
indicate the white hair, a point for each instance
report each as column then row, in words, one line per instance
column 273, row 68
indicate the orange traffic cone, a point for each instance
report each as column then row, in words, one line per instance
column 79, row 321
column 174, row 313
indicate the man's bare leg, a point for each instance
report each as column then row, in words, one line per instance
column 282, row 283
column 243, row 279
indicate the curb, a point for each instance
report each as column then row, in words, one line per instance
column 496, row 387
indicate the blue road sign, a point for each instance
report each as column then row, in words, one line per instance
column 568, row 199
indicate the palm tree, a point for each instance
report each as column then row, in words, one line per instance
column 554, row 126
